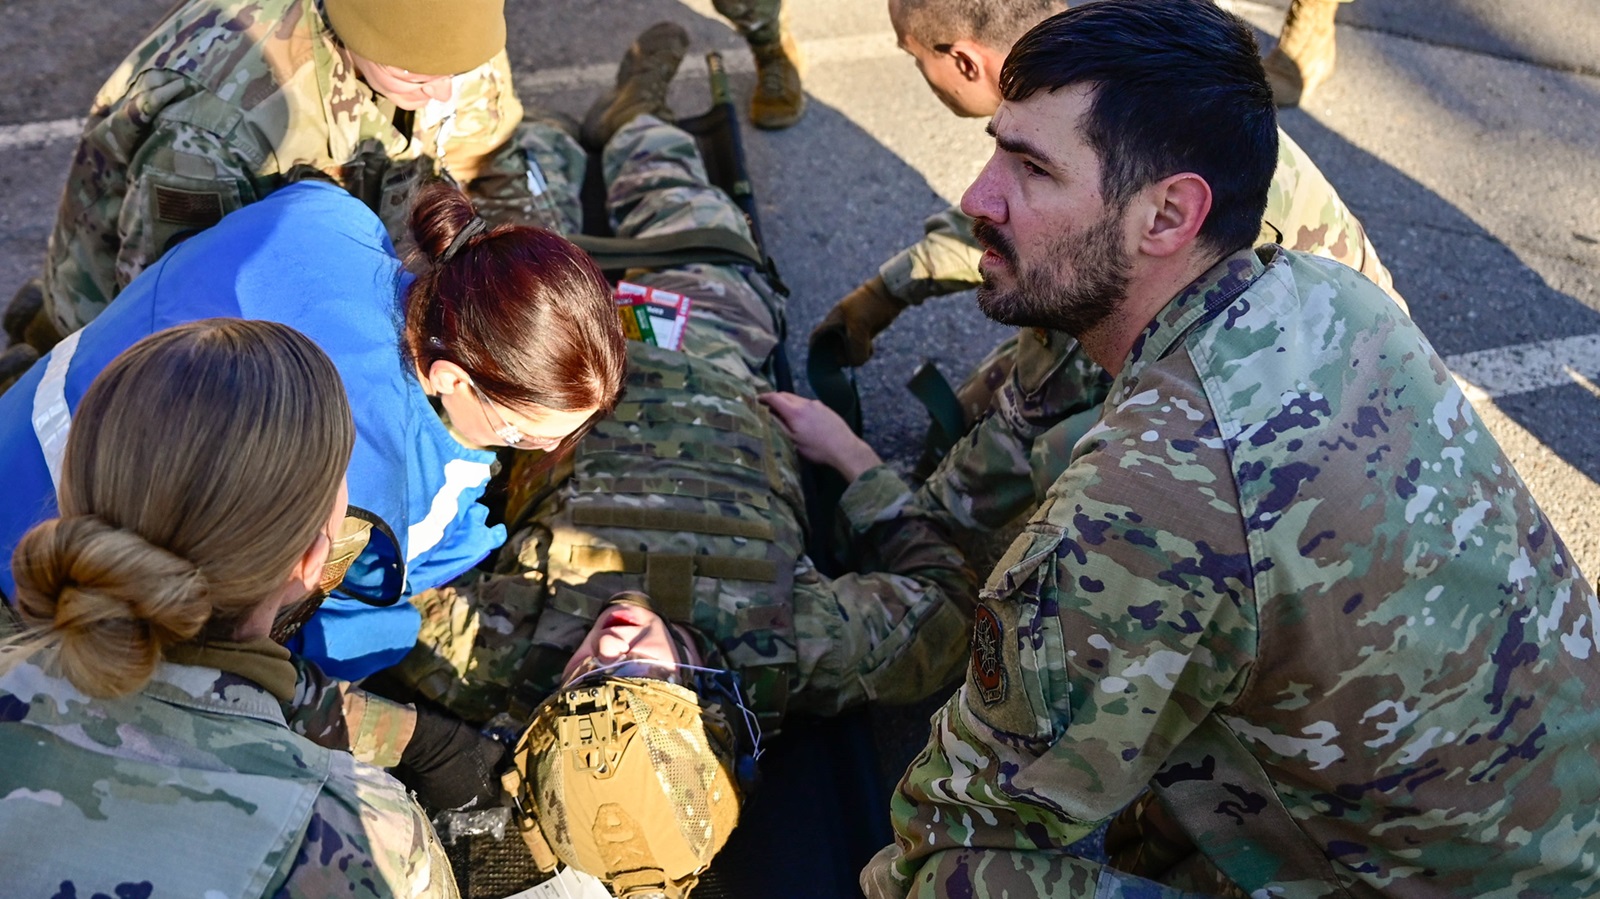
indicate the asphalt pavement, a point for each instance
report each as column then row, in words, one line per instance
column 1464, row 133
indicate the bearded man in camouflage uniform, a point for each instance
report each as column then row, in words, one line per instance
column 1288, row 584
column 1027, row 402
column 227, row 100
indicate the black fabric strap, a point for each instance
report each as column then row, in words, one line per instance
column 706, row 246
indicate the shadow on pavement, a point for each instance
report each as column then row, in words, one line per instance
column 60, row 51
column 1466, row 288
column 1471, row 25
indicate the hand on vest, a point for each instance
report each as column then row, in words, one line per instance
column 857, row 319
column 820, row 435
column 450, row 766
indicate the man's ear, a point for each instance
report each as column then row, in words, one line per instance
column 970, row 60
column 1175, row 209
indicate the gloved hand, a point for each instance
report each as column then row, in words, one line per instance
column 858, row 318
column 450, row 766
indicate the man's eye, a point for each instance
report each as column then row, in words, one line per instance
column 1032, row 169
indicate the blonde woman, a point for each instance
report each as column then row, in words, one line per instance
column 494, row 337
column 146, row 753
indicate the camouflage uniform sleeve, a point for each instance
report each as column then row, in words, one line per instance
column 1307, row 212
column 988, row 479
column 895, row 631
column 1120, row 618
column 944, row 261
column 486, row 114
column 518, row 169
column 338, row 715
column 366, row 838
column 160, row 160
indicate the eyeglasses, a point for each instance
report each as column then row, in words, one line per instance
column 508, row 433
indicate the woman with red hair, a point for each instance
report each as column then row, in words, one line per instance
column 495, row 337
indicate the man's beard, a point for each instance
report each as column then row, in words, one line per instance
column 1080, row 281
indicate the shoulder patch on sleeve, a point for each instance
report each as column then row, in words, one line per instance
column 988, row 672
column 1005, row 685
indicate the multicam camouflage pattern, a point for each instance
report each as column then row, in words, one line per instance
column 193, row 787
column 1043, row 389
column 631, row 780
column 690, row 493
column 1305, row 213
column 1289, row 583
column 334, row 715
column 757, row 20
column 225, row 102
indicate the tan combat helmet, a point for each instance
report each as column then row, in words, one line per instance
column 635, row 780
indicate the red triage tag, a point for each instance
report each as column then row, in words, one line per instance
column 652, row 316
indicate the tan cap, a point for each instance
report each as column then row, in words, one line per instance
column 428, row 37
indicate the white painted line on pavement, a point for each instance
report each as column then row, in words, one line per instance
column 834, row 50
column 1505, row 371
column 1483, row 375
column 33, row 134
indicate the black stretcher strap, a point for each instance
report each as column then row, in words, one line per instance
column 707, row 246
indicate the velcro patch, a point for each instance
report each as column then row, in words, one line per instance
column 988, row 665
column 190, row 208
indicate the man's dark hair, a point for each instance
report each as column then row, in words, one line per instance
column 1178, row 87
column 993, row 23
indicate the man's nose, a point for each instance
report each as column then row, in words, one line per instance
column 611, row 646
column 983, row 199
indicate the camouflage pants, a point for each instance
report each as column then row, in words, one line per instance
column 757, row 20
column 657, row 184
column 542, row 158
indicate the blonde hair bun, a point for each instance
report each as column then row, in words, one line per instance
column 113, row 599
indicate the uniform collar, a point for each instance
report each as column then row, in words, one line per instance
column 261, row 660
column 351, row 109
column 1201, row 300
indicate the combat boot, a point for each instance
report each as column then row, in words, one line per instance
column 25, row 304
column 1304, row 56
column 779, row 100
column 14, row 363
column 41, row 332
column 642, row 81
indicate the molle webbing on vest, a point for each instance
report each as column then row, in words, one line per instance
column 669, row 577
column 700, row 488
column 689, row 494
column 670, row 520
column 602, row 559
